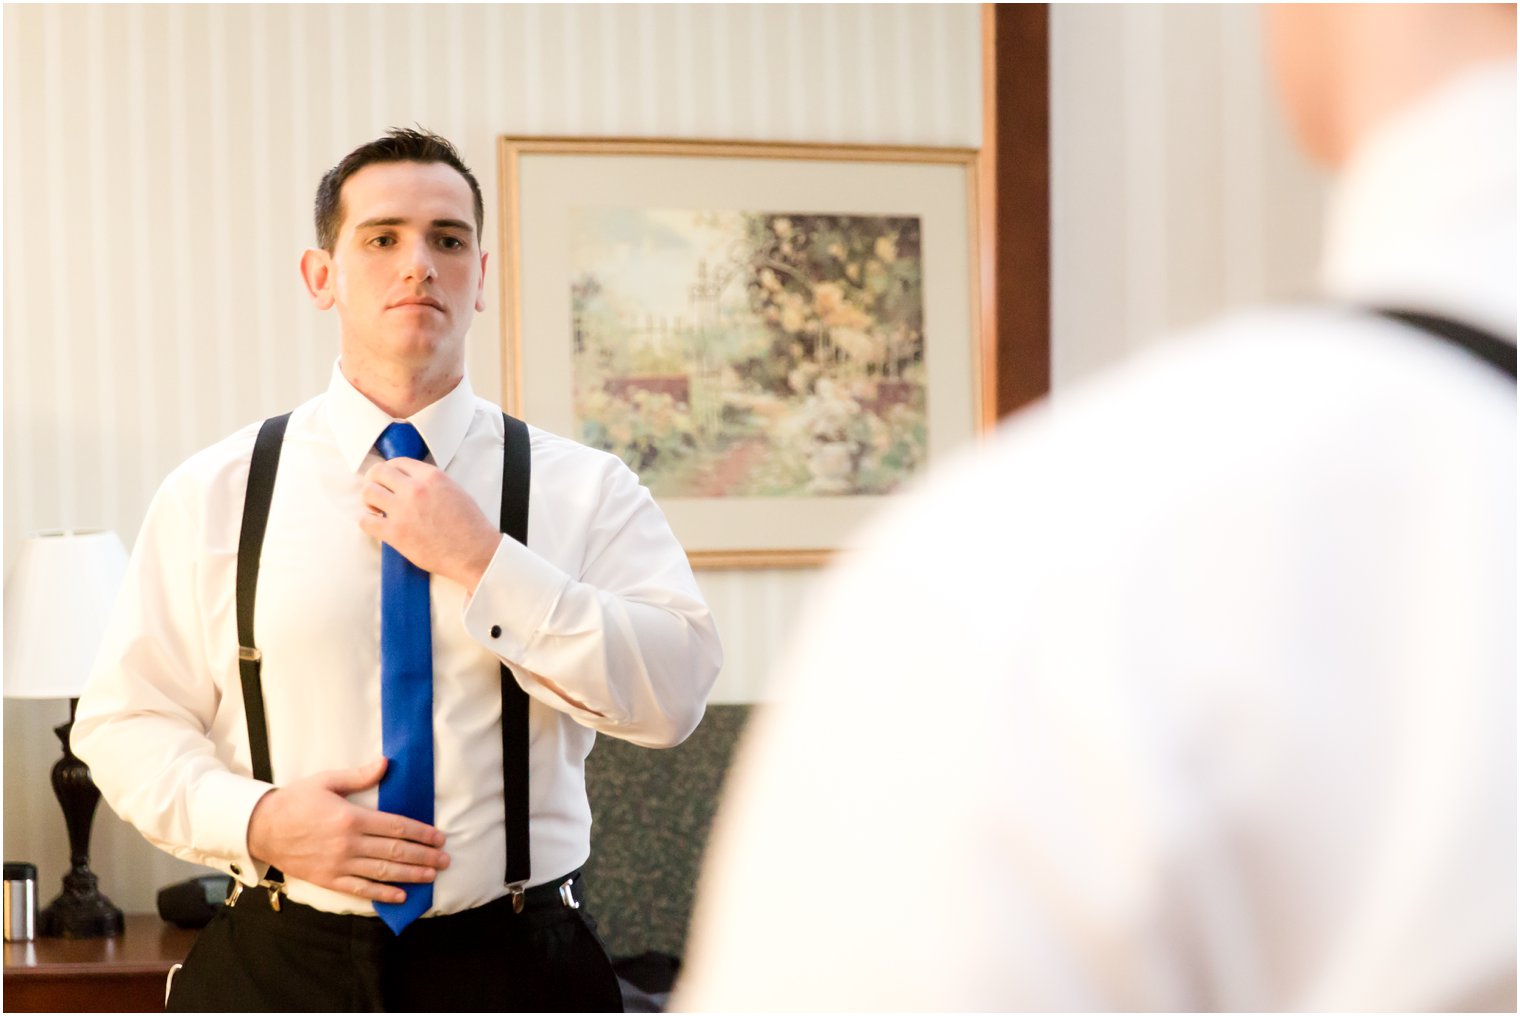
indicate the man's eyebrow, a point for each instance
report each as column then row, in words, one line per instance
column 397, row 221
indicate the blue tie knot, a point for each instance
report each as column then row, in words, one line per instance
column 401, row 440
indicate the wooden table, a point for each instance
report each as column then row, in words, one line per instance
column 122, row 974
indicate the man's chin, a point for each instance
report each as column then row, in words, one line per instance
column 418, row 349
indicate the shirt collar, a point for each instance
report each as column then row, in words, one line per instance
column 1423, row 214
column 356, row 422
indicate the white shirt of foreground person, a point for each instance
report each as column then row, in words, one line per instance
column 1196, row 689
column 602, row 602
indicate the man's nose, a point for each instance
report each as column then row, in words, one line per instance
column 418, row 264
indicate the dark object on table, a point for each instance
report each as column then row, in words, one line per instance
column 81, row 910
column 193, row 902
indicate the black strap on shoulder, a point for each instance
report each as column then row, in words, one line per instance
column 1486, row 346
column 261, row 473
column 516, row 471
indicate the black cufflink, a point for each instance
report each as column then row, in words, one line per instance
column 496, row 631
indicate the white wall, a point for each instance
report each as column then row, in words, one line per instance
column 160, row 164
column 1175, row 189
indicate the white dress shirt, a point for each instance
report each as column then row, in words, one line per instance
column 1196, row 688
column 601, row 602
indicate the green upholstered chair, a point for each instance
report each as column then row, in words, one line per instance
column 651, row 814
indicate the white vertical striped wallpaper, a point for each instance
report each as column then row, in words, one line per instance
column 160, row 164
column 1175, row 188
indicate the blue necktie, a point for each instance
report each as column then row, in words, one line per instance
column 406, row 688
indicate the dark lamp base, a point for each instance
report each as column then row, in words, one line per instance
column 80, row 911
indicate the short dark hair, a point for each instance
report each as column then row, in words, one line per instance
column 400, row 144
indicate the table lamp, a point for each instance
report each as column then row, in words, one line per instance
column 58, row 598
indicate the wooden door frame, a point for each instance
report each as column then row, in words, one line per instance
column 1014, row 179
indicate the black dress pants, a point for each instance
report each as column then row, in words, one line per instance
column 489, row 959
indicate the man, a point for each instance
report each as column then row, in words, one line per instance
column 386, row 489
column 1196, row 689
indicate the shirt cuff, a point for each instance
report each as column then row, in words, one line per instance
column 513, row 600
column 224, row 802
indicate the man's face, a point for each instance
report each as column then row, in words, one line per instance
column 406, row 273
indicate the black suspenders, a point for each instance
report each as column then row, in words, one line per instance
column 261, row 470
column 516, row 470
column 515, row 477
column 1489, row 348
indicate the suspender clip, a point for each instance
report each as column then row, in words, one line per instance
column 516, row 892
column 274, row 886
column 249, row 653
column 567, row 894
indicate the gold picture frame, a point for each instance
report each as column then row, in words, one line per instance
column 917, row 383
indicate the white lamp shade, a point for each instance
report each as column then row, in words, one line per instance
column 58, row 598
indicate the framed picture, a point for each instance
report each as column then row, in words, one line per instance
column 776, row 338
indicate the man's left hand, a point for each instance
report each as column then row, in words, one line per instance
column 429, row 520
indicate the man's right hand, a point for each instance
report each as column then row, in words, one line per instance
column 311, row 831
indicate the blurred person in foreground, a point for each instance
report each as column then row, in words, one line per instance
column 1196, row 688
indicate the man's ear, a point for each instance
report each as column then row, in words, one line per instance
column 317, row 272
column 480, row 290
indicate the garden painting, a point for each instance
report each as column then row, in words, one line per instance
column 750, row 354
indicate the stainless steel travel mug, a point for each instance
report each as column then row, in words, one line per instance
column 20, row 902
